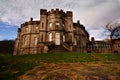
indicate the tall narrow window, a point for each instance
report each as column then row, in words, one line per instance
column 70, row 38
column 35, row 40
column 70, row 26
column 75, row 41
column 74, row 29
column 42, row 38
column 36, row 29
column 26, row 29
column 63, row 38
column 57, row 37
column 50, row 25
column 50, row 37
column 24, row 40
column 57, row 24
column 42, row 25
column 63, row 25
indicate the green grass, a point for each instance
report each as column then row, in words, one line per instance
column 13, row 66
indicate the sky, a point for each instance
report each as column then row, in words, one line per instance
column 93, row 14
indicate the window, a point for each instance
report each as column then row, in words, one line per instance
column 35, row 40
column 42, row 38
column 74, row 29
column 57, row 23
column 36, row 29
column 63, row 25
column 24, row 40
column 42, row 24
column 50, row 37
column 26, row 29
column 70, row 38
column 57, row 37
column 70, row 26
column 63, row 38
column 50, row 25
column 75, row 41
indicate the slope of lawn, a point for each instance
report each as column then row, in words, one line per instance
column 13, row 66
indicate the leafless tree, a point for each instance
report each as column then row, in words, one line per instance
column 114, row 30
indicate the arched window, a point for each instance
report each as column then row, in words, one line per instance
column 50, row 37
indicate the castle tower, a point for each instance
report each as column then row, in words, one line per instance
column 69, row 27
column 42, row 30
column 56, row 26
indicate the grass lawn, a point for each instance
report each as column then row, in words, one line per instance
column 13, row 66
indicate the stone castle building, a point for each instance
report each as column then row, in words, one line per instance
column 55, row 32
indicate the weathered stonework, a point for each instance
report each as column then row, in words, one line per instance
column 116, row 45
column 55, row 32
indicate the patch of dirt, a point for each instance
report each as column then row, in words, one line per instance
column 73, row 71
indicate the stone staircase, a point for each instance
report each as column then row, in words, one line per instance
column 66, row 46
column 57, row 48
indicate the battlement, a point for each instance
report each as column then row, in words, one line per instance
column 69, row 13
column 31, row 22
column 56, row 11
column 43, row 11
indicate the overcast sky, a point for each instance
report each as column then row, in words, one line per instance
column 94, row 14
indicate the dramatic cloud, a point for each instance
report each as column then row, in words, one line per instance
column 94, row 14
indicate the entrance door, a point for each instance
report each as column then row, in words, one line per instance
column 57, row 37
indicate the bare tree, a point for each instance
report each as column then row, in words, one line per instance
column 114, row 32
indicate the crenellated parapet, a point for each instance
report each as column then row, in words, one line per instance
column 43, row 12
column 31, row 22
column 56, row 11
column 69, row 13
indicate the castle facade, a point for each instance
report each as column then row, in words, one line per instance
column 55, row 32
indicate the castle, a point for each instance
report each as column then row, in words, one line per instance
column 55, row 32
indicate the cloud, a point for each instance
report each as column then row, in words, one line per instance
column 91, row 13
